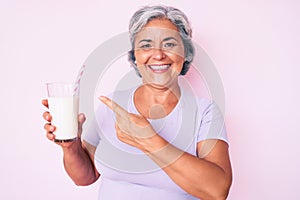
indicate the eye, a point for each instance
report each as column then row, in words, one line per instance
column 169, row 45
column 145, row 46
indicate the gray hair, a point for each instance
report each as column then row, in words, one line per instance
column 144, row 15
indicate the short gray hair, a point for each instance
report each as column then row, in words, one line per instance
column 144, row 15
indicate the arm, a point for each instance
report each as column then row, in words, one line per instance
column 206, row 178
column 78, row 156
column 79, row 163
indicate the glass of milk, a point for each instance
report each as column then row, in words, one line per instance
column 63, row 101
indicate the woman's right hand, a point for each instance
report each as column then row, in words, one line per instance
column 50, row 128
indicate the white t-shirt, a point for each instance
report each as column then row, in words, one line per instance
column 126, row 172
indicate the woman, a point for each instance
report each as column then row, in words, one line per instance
column 161, row 51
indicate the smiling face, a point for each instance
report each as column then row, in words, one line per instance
column 159, row 53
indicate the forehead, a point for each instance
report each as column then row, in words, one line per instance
column 158, row 28
column 161, row 23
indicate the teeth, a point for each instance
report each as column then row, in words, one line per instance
column 159, row 67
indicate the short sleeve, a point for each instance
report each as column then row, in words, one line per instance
column 211, row 122
column 92, row 133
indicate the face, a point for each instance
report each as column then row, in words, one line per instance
column 159, row 53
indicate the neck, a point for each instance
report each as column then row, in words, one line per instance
column 156, row 102
column 160, row 95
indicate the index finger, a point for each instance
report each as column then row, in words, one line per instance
column 113, row 106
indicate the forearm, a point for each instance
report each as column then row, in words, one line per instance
column 79, row 165
column 198, row 177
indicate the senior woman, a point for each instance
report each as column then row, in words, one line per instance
column 159, row 120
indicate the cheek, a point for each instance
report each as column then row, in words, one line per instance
column 178, row 62
column 176, row 58
column 141, row 57
column 177, row 55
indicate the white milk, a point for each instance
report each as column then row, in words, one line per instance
column 64, row 112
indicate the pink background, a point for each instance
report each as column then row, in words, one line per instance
column 255, row 46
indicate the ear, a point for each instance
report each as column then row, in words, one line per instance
column 131, row 57
column 132, row 61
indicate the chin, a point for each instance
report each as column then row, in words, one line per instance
column 162, row 83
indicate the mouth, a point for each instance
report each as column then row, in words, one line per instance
column 159, row 68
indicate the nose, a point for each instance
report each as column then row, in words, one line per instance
column 158, row 54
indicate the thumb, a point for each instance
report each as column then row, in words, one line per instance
column 81, row 120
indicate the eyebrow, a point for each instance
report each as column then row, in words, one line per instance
column 145, row 40
column 169, row 38
column 164, row 40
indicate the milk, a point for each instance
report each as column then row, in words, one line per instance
column 64, row 112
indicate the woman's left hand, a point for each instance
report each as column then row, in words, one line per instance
column 131, row 128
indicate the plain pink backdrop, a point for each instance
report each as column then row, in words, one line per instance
column 255, row 46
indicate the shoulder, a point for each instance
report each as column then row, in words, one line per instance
column 200, row 104
column 208, row 116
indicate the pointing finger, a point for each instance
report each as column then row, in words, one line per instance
column 113, row 106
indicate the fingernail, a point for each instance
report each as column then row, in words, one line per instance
column 81, row 116
column 102, row 98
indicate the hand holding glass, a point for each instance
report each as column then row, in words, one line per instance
column 63, row 100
